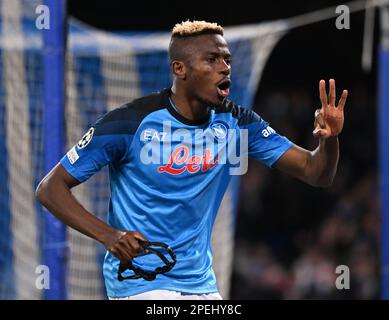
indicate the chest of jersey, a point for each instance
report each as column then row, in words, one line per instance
column 165, row 151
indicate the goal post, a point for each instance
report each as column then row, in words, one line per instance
column 54, row 48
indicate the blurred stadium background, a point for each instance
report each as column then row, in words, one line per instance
column 275, row 238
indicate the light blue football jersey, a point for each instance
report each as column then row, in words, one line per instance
column 168, row 176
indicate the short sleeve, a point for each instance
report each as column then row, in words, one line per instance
column 265, row 144
column 104, row 143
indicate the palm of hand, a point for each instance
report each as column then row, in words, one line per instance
column 329, row 119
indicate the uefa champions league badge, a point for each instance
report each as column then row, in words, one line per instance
column 219, row 130
column 86, row 138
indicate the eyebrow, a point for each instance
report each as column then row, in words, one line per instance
column 214, row 53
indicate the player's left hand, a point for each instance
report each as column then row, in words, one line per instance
column 330, row 118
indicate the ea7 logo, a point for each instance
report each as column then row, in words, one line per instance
column 267, row 132
column 152, row 134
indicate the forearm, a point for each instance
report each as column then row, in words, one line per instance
column 322, row 162
column 59, row 200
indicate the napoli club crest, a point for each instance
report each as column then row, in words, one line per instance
column 219, row 130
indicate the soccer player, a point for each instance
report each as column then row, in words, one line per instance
column 169, row 167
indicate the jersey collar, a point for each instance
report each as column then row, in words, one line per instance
column 166, row 94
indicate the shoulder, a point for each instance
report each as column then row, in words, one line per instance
column 126, row 118
column 243, row 115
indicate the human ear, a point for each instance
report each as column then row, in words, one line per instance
column 179, row 69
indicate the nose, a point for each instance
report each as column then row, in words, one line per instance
column 226, row 68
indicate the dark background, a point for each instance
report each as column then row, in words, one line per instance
column 320, row 49
column 283, row 225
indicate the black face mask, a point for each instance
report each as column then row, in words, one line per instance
column 149, row 247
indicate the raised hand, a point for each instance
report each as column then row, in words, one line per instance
column 330, row 118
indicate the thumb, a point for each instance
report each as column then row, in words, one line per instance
column 320, row 119
column 138, row 235
column 141, row 237
column 320, row 133
column 317, row 132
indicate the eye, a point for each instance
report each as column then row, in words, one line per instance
column 212, row 59
column 228, row 60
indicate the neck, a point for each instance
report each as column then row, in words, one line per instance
column 189, row 108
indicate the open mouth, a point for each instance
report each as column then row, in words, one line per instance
column 223, row 88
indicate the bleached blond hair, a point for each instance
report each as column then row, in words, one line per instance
column 194, row 28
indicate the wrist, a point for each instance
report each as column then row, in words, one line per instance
column 323, row 140
column 109, row 237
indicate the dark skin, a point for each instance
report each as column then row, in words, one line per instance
column 205, row 62
column 54, row 193
column 318, row 167
column 195, row 87
column 197, row 73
